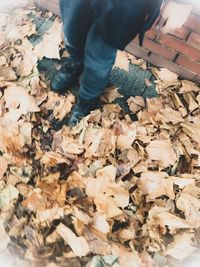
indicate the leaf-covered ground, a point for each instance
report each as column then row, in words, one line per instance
column 109, row 192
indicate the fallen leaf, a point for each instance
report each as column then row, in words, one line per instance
column 110, row 94
column 126, row 257
column 52, row 158
column 7, row 196
column 188, row 86
column 182, row 247
column 192, row 130
column 3, row 166
column 79, row 245
column 172, row 221
column 4, row 241
column 191, row 208
column 18, row 98
column 165, row 75
column 162, row 151
column 49, row 47
column 156, row 184
column 122, row 61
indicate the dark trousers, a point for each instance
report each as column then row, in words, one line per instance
column 86, row 45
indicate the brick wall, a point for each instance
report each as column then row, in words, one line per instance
column 178, row 51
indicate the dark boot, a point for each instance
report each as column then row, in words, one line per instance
column 66, row 76
column 81, row 109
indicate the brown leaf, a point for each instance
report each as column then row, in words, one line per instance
column 156, row 184
column 110, row 94
column 135, row 103
column 96, row 244
column 188, row 86
column 162, row 151
column 122, row 61
column 49, row 47
column 61, row 105
column 18, row 98
column 7, row 74
column 69, row 145
column 191, row 207
column 192, row 130
column 52, row 158
column 182, row 247
column 165, row 75
column 100, row 225
column 172, row 221
column 7, row 196
column 4, row 241
column 79, row 245
column 126, row 257
column 3, row 167
column 125, row 140
column 35, row 201
column 169, row 115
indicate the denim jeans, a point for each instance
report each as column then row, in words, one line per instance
column 86, row 45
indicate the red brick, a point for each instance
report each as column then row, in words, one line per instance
column 194, row 40
column 152, row 46
column 180, row 46
column 188, row 64
column 193, row 23
column 181, row 33
column 180, row 70
column 137, row 51
column 151, row 34
column 158, row 49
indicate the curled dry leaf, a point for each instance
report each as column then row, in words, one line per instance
column 69, row 146
column 126, row 257
column 61, row 105
column 156, row 184
column 96, row 244
column 54, row 213
column 192, row 130
column 161, row 151
column 3, row 166
column 169, row 115
column 35, row 201
column 7, row 74
column 100, row 225
column 135, row 103
column 4, row 241
column 125, row 140
column 18, row 98
column 188, row 86
column 79, row 245
column 49, row 47
column 183, row 182
column 110, row 94
column 122, row 61
column 172, row 221
column 52, row 158
column 7, row 196
column 165, row 75
column 182, row 247
column 191, row 208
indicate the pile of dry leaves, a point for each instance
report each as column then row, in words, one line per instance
column 109, row 192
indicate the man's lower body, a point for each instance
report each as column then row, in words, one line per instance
column 90, row 56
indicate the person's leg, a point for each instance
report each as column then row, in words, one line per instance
column 77, row 17
column 99, row 59
column 98, row 62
